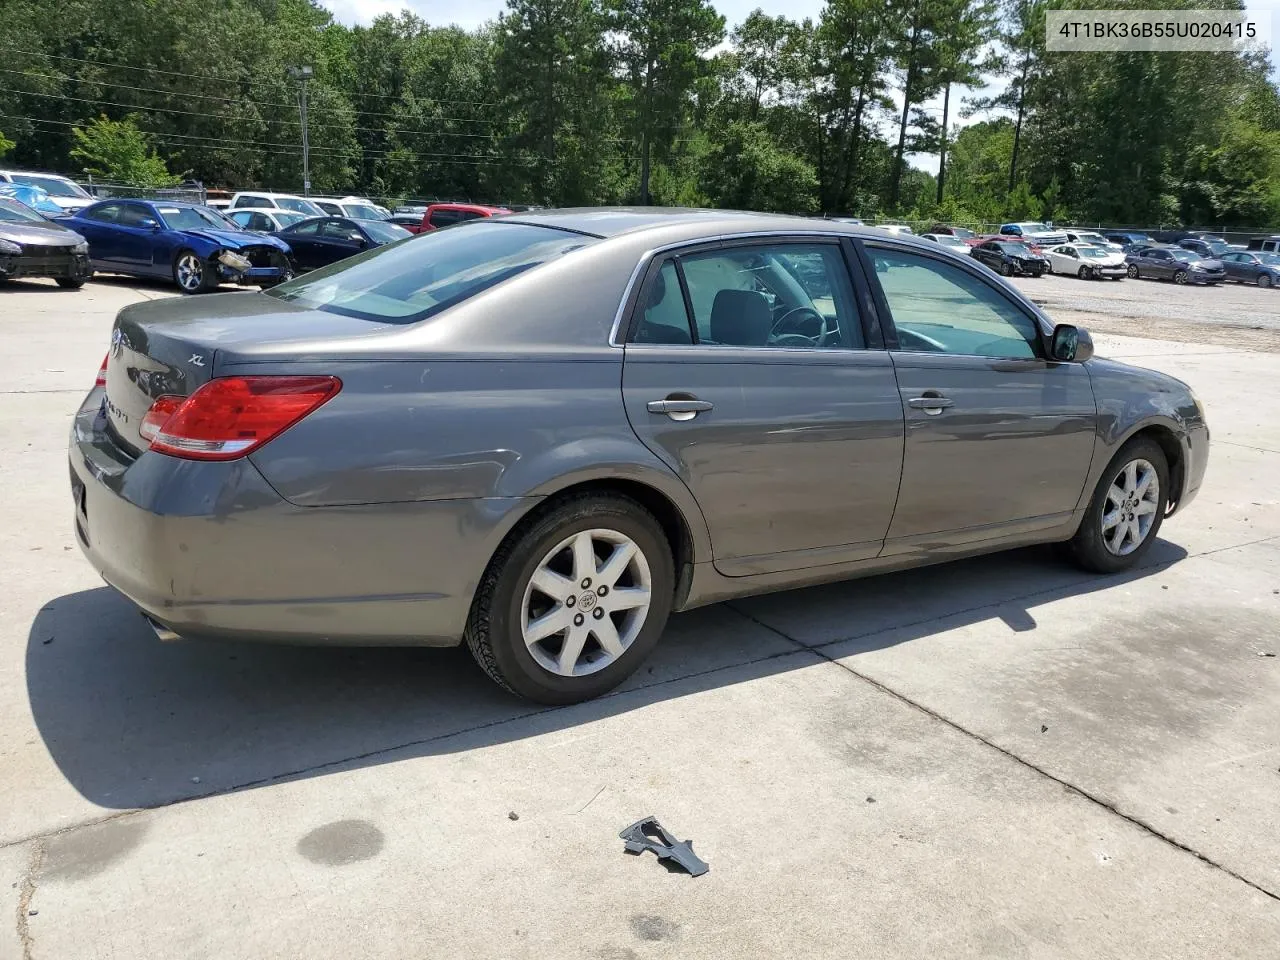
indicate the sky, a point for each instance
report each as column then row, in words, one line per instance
column 472, row 13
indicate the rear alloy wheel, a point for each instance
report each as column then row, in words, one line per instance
column 1126, row 511
column 572, row 604
column 1180, row 276
column 1264, row 279
column 1133, row 271
column 191, row 274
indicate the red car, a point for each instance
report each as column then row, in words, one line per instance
column 445, row 214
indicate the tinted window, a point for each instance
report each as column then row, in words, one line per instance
column 133, row 215
column 106, row 213
column 308, row 228
column 1158, row 254
column 940, row 308
column 777, row 295
column 328, row 207
column 464, row 215
column 410, row 281
column 663, row 318
column 254, row 202
column 338, row 230
column 443, row 218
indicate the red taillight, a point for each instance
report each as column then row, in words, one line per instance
column 101, row 380
column 229, row 417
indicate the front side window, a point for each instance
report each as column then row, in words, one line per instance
column 443, row 218
column 941, row 308
column 411, row 281
column 794, row 295
column 103, row 213
column 338, row 230
column 134, row 215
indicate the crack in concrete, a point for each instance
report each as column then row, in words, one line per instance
column 1246, row 446
column 28, row 891
column 1079, row 791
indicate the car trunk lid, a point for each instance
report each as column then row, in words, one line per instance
column 172, row 347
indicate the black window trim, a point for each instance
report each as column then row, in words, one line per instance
column 627, row 320
column 886, row 314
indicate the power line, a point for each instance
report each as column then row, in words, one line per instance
column 197, row 76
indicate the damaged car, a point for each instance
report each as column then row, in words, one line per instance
column 31, row 246
column 195, row 247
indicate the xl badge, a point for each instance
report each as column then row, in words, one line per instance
column 196, row 360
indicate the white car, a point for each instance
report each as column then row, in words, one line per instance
column 1031, row 231
column 66, row 193
column 1086, row 261
column 351, row 207
column 1093, row 238
column 897, row 228
column 265, row 221
column 263, row 200
column 948, row 241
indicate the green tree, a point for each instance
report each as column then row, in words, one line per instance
column 660, row 46
column 5, row 144
column 746, row 169
column 118, row 151
column 965, row 28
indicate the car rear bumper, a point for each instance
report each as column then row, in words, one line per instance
column 210, row 549
column 68, row 266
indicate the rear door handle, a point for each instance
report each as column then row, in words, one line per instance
column 679, row 409
column 931, row 405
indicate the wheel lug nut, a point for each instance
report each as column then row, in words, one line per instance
column 578, row 620
column 586, row 582
column 598, row 613
column 603, row 591
column 570, row 601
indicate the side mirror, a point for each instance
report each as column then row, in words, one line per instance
column 1071, row 344
column 146, row 223
column 357, row 239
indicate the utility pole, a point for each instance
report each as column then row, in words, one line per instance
column 302, row 75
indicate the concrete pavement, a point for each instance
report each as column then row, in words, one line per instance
column 999, row 758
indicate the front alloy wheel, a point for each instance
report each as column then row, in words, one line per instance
column 189, row 271
column 1180, row 276
column 1126, row 510
column 1131, row 504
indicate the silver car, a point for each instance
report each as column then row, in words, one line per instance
column 542, row 433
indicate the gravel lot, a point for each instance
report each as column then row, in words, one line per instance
column 1232, row 315
column 1000, row 758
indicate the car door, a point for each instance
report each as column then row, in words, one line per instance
column 1064, row 259
column 94, row 225
column 137, row 231
column 302, row 239
column 999, row 440
column 986, row 253
column 1158, row 263
column 777, row 406
column 338, row 239
column 1241, row 267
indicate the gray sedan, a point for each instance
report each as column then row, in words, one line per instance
column 1173, row 263
column 541, row 434
column 1248, row 267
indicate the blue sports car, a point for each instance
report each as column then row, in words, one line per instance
column 37, row 198
column 194, row 246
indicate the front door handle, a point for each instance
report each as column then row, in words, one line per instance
column 932, row 404
column 679, row 409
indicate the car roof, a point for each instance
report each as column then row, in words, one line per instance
column 272, row 194
column 675, row 224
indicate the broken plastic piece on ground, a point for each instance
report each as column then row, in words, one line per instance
column 649, row 834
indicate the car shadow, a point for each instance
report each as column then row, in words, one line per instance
column 34, row 285
column 133, row 722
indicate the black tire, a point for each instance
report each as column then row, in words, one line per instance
column 1133, row 271
column 493, row 631
column 1264, row 280
column 208, row 276
column 1006, row 270
column 1087, row 547
column 1083, row 273
column 1180, row 276
column 70, row 283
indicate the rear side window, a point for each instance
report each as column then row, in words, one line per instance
column 443, row 218
column 426, row 274
column 663, row 317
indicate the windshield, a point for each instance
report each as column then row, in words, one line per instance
column 11, row 211
column 1218, row 246
column 1092, row 252
column 56, row 186
column 300, row 206
column 428, row 273
column 1271, row 258
column 195, row 218
column 1032, row 227
column 358, row 211
column 385, row 232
